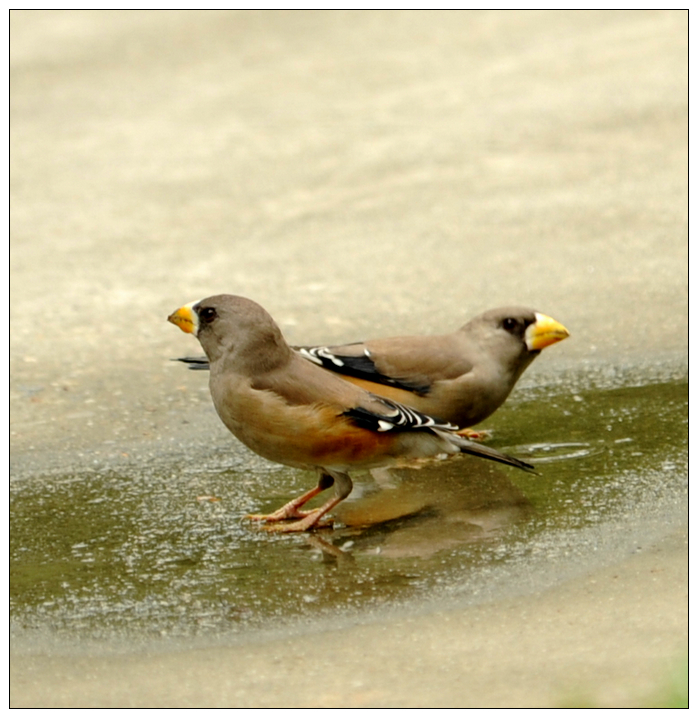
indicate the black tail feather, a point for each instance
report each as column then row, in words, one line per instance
column 487, row 452
column 194, row 363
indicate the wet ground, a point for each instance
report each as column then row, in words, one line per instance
column 358, row 174
column 164, row 549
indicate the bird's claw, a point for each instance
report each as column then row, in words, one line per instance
column 304, row 524
column 473, row 435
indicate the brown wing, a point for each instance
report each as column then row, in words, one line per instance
column 410, row 364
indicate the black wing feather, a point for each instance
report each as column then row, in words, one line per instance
column 402, row 418
column 397, row 417
column 360, row 367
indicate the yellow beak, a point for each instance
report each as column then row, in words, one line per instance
column 186, row 319
column 544, row 332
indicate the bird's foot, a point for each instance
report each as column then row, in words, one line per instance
column 278, row 520
column 291, row 510
column 479, row 435
column 310, row 520
column 282, row 514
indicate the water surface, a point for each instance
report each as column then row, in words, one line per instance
column 163, row 549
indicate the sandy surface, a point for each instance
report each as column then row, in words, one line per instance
column 357, row 174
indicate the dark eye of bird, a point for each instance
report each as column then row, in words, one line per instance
column 510, row 324
column 207, row 315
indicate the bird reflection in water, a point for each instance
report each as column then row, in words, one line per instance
column 417, row 511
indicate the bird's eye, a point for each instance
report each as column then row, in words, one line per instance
column 207, row 315
column 510, row 324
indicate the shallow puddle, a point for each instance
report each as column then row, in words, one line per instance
column 164, row 549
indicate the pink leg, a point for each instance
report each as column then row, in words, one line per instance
column 308, row 519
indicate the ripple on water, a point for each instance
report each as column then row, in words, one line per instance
column 546, row 453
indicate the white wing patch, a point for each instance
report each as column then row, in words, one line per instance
column 317, row 354
column 405, row 418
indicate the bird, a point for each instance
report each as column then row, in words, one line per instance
column 294, row 412
column 461, row 378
